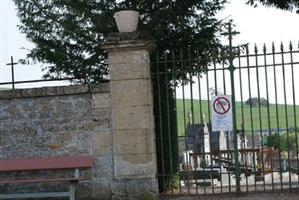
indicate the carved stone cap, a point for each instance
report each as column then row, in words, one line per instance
column 128, row 41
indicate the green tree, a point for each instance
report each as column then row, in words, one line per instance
column 281, row 4
column 67, row 34
column 274, row 141
column 284, row 141
column 255, row 101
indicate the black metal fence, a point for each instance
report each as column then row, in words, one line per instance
column 193, row 159
column 11, row 85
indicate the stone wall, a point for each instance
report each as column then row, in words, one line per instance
column 115, row 126
column 60, row 121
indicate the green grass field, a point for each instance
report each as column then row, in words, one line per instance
column 258, row 120
column 4, row 88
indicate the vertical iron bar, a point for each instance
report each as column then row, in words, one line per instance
column 160, row 118
column 209, row 111
column 199, row 91
column 286, row 113
column 277, row 113
column 174, row 74
column 208, row 95
column 294, row 105
column 215, row 74
column 220, row 170
column 192, row 108
column 12, row 64
column 251, row 117
column 184, row 114
column 200, row 99
column 232, row 69
column 223, row 74
column 200, row 105
column 216, row 92
column 260, row 115
column 242, row 119
column 227, row 157
column 210, row 131
column 268, row 113
column 12, row 73
column 168, row 117
column 229, row 160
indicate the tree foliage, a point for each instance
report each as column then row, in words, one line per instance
column 255, row 101
column 280, row 4
column 284, row 141
column 67, row 33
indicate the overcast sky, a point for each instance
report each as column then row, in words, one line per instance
column 257, row 25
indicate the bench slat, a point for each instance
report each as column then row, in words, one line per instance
column 44, row 180
column 35, row 195
column 71, row 162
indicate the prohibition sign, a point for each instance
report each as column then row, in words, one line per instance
column 221, row 105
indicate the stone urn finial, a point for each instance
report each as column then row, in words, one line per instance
column 126, row 20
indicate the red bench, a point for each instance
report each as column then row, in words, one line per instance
column 75, row 163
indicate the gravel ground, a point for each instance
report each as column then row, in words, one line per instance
column 285, row 195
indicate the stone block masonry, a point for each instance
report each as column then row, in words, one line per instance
column 60, row 121
column 55, row 121
column 134, row 149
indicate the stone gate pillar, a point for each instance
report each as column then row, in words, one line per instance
column 134, row 152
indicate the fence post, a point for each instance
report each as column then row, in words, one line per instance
column 134, row 154
column 12, row 64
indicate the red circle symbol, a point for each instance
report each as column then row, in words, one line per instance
column 221, row 105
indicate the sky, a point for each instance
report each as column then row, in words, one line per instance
column 13, row 43
column 256, row 26
column 262, row 25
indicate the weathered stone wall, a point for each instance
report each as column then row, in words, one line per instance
column 60, row 121
column 115, row 126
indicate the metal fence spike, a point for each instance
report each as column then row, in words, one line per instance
column 264, row 48
column 281, row 46
column 273, row 47
column 291, row 46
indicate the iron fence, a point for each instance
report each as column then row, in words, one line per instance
column 193, row 159
column 11, row 85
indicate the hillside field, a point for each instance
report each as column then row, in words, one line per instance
column 258, row 120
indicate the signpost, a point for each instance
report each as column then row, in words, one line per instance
column 222, row 115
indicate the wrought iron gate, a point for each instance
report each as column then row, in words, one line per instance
column 192, row 159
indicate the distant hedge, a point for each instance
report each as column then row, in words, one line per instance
column 255, row 101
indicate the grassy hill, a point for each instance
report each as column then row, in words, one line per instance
column 258, row 120
column 4, row 88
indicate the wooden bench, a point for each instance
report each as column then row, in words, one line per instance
column 74, row 163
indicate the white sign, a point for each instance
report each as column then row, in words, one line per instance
column 222, row 115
